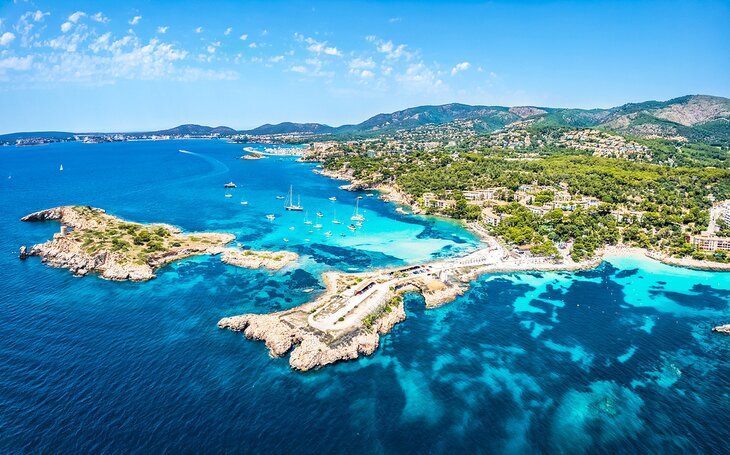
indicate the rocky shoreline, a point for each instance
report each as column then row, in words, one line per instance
column 92, row 241
column 310, row 347
column 388, row 193
column 723, row 329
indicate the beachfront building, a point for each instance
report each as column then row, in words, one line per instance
column 431, row 201
column 710, row 243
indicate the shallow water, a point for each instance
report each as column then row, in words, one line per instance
column 619, row 359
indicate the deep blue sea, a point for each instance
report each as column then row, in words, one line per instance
column 616, row 360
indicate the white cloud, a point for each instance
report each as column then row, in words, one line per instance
column 25, row 25
column 38, row 15
column 418, row 77
column 276, row 59
column 82, row 56
column 69, row 42
column 371, row 38
column 162, row 29
column 99, row 17
column 298, row 69
column 101, row 43
column 228, row 31
column 317, row 47
column 366, row 74
column 213, row 46
column 358, row 63
column 253, row 45
column 135, row 20
column 6, row 38
column 244, row 37
column 198, row 30
column 463, row 66
column 393, row 20
column 16, row 63
column 76, row 16
column 66, row 26
column 391, row 51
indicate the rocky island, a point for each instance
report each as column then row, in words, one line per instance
column 253, row 156
column 92, row 241
column 251, row 259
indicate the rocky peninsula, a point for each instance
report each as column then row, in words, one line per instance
column 346, row 321
column 92, row 241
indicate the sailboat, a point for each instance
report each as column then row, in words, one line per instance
column 270, row 217
column 291, row 207
column 333, row 199
column 334, row 218
column 61, row 169
column 306, row 221
column 357, row 216
column 320, row 214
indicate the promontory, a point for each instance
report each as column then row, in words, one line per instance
column 92, row 241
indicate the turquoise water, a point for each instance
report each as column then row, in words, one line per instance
column 619, row 359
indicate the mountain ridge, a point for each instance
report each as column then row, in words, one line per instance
column 703, row 118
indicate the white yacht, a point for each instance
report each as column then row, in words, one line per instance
column 357, row 216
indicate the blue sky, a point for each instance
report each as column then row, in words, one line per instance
column 123, row 66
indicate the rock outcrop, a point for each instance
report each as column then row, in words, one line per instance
column 312, row 348
column 272, row 260
column 724, row 329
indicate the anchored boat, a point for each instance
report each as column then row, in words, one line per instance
column 357, row 216
column 293, row 207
